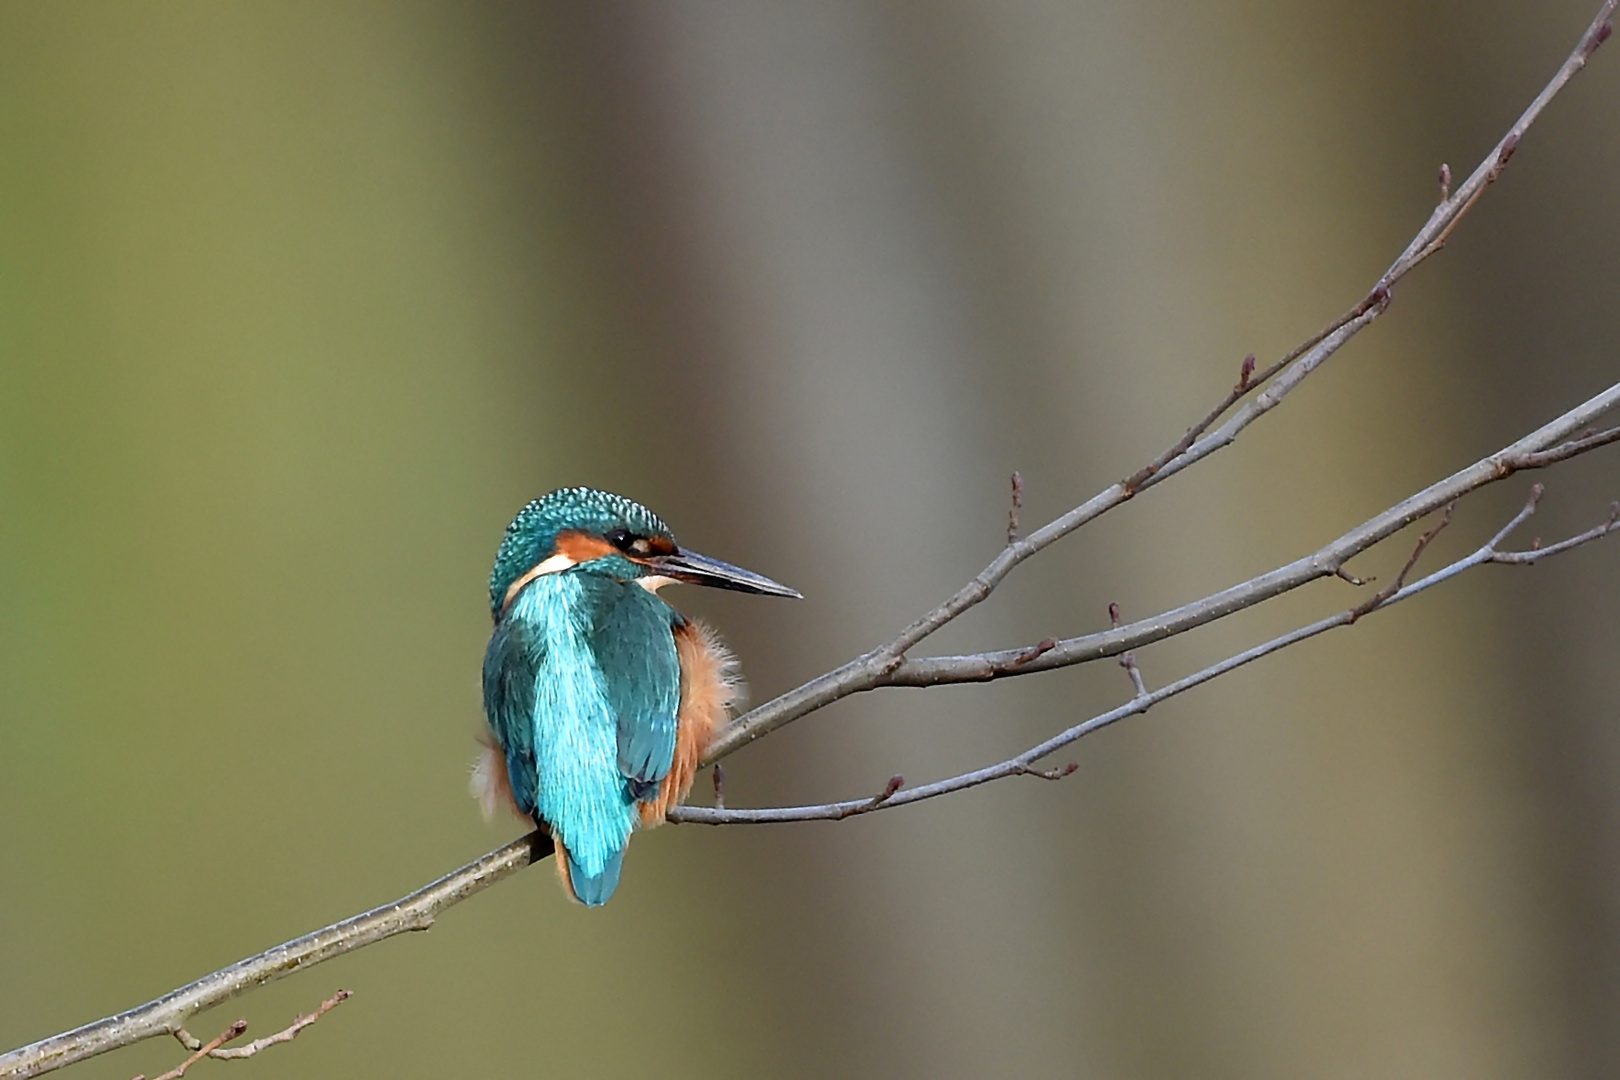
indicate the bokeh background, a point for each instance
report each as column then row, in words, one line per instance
column 300, row 301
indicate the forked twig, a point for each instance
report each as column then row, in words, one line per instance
column 215, row 1047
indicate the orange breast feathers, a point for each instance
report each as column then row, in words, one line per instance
column 709, row 686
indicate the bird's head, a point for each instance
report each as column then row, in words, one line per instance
column 583, row 530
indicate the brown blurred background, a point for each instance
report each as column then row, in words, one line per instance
column 300, row 301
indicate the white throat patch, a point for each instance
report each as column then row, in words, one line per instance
column 552, row 565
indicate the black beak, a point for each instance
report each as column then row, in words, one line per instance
column 698, row 569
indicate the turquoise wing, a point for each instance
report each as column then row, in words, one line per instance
column 634, row 643
column 511, row 663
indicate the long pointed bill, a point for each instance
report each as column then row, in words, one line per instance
column 697, row 569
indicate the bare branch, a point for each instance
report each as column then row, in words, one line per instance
column 870, row 669
column 168, row 1013
column 1529, row 558
column 1324, row 562
column 1451, row 211
column 1024, row 764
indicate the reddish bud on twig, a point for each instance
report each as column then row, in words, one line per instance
column 719, row 776
column 1040, row 648
column 1445, row 181
column 1246, row 372
column 1600, row 37
column 1509, row 144
column 1051, row 774
column 894, row 785
column 1113, row 614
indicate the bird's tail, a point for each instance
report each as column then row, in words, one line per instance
column 592, row 890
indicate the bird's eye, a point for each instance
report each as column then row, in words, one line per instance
column 620, row 538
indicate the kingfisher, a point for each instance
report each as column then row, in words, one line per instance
column 600, row 697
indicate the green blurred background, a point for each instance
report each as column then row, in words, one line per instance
column 300, row 301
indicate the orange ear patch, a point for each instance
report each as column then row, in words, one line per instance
column 581, row 547
column 709, row 686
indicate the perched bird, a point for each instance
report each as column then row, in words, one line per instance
column 600, row 697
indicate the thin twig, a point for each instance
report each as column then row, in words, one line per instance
column 1017, row 505
column 1127, row 659
column 286, row 1034
column 1246, row 382
column 1381, row 597
column 1565, row 451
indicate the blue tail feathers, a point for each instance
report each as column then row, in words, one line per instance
column 594, row 890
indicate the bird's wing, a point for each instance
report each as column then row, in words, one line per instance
column 633, row 641
column 511, row 664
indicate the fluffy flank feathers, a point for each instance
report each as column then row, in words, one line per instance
column 710, row 685
column 489, row 783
